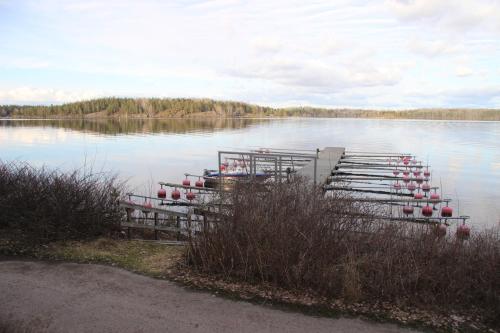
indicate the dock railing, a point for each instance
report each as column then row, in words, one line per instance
column 278, row 164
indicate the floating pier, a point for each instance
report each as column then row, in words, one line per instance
column 320, row 169
column 396, row 181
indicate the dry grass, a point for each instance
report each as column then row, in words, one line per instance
column 148, row 258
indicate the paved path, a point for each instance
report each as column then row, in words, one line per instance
column 65, row 297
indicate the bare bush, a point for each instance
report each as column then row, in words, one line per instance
column 294, row 236
column 40, row 205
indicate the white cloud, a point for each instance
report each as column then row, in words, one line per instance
column 333, row 46
column 263, row 46
column 23, row 63
column 24, row 95
column 455, row 14
column 317, row 76
column 433, row 48
column 418, row 9
column 463, row 71
column 346, row 52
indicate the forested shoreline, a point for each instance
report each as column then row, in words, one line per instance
column 188, row 107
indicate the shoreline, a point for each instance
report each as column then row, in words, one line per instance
column 213, row 118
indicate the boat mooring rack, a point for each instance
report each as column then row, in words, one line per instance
column 407, row 193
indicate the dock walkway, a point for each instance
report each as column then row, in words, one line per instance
column 328, row 158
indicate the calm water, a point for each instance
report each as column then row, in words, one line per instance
column 465, row 156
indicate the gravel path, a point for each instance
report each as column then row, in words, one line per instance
column 65, row 297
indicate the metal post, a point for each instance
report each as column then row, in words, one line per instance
column 280, row 165
column 189, row 223
column 219, row 170
column 275, row 169
column 178, row 225
column 251, row 164
column 156, row 223
column 205, row 223
column 315, row 169
column 255, row 165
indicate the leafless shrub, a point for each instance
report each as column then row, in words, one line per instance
column 38, row 205
column 294, row 236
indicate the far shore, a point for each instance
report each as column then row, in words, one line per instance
column 90, row 117
column 192, row 108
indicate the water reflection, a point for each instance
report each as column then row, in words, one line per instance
column 139, row 125
column 465, row 156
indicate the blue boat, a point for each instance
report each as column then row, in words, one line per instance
column 212, row 177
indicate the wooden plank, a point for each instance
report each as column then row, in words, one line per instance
column 163, row 242
column 151, row 227
column 126, row 204
column 328, row 158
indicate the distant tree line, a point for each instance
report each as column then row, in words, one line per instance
column 190, row 107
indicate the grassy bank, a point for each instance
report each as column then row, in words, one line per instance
column 148, row 258
column 201, row 108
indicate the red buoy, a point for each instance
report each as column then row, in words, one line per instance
column 416, row 173
column 222, row 167
column 446, row 211
column 411, row 187
column 406, row 161
column 397, row 186
column 395, row 172
column 427, row 173
column 434, row 197
column 190, row 196
column 147, row 205
column 419, row 180
column 440, row 230
column 463, row 231
column 176, row 195
column 419, row 196
column 186, row 182
column 406, row 179
column 162, row 193
column 235, row 164
column 408, row 210
column 199, row 183
column 427, row 211
column 426, row 187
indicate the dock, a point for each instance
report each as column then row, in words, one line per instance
column 398, row 182
column 319, row 170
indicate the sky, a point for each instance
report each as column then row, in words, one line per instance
column 386, row 54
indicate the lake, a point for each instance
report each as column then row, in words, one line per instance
column 464, row 156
